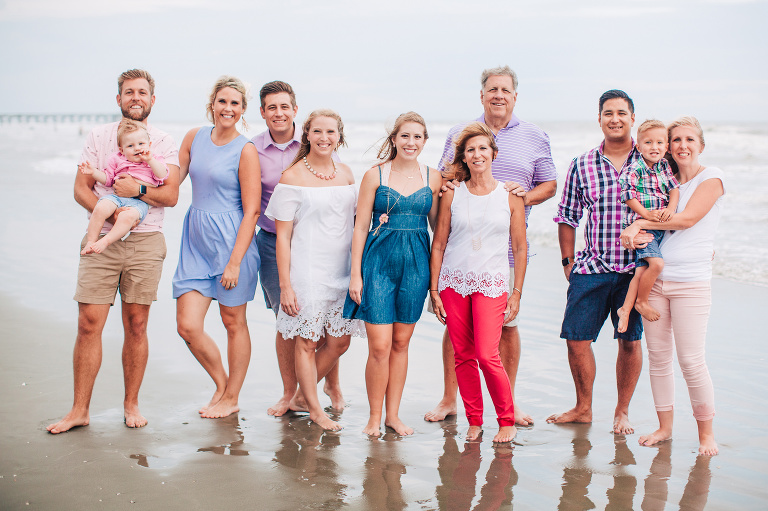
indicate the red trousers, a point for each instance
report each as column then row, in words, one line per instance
column 474, row 325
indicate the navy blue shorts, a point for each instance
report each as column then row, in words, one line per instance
column 270, row 283
column 590, row 299
column 650, row 250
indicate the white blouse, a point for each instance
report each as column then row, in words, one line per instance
column 475, row 259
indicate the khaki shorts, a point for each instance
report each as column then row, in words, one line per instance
column 512, row 323
column 134, row 266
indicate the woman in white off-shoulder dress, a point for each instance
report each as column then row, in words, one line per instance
column 314, row 207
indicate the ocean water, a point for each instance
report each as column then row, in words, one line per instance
column 48, row 153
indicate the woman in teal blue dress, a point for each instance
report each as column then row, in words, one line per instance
column 390, row 263
column 219, row 259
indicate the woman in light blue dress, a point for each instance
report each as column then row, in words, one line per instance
column 390, row 263
column 218, row 258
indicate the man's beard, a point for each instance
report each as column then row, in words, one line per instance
column 136, row 115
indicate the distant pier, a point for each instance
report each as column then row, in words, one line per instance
column 59, row 118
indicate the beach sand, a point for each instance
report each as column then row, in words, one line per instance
column 254, row 461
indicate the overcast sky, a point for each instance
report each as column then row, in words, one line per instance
column 372, row 60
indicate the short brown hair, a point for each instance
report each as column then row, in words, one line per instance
column 133, row 74
column 127, row 126
column 460, row 170
column 276, row 87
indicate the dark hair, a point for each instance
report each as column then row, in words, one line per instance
column 459, row 169
column 274, row 88
column 616, row 94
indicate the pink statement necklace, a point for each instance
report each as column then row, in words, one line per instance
column 320, row 174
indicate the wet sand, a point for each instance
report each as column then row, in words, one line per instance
column 254, row 461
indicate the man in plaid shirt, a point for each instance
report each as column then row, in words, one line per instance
column 599, row 275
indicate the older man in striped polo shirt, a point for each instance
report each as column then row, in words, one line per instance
column 524, row 159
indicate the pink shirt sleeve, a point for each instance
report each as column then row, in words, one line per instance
column 111, row 169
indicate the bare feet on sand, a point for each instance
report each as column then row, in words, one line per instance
column 281, row 407
column 133, row 418
column 373, row 428
column 397, row 425
column 646, row 311
column 441, row 411
column 474, row 433
column 325, row 422
column 223, row 408
column 297, row 403
column 71, row 420
column 505, row 434
column 660, row 435
column 623, row 320
column 707, row 445
column 522, row 418
column 337, row 400
column 621, row 425
column 571, row 415
column 215, row 399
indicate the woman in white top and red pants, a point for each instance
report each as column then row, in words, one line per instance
column 469, row 275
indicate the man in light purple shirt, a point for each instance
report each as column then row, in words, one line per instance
column 277, row 147
column 525, row 159
column 132, row 265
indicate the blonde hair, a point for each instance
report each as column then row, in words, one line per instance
column 128, row 126
column 689, row 121
column 459, row 168
column 323, row 112
column 388, row 151
column 133, row 74
column 649, row 125
column 223, row 83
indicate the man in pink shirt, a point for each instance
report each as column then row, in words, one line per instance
column 132, row 265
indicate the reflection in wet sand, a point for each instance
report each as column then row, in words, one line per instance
column 382, row 488
column 309, row 450
column 696, row 489
column 458, row 475
column 142, row 460
column 232, row 448
column 622, row 494
column 577, row 475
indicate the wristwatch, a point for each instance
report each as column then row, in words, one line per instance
column 142, row 191
column 567, row 261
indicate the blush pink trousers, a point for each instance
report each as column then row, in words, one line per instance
column 474, row 326
column 682, row 327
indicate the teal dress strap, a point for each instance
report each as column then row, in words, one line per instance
column 379, row 175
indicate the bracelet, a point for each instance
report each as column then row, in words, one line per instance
column 433, row 290
column 515, row 289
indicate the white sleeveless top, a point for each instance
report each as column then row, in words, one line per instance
column 475, row 259
column 688, row 253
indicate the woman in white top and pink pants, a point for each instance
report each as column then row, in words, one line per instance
column 469, row 275
column 682, row 292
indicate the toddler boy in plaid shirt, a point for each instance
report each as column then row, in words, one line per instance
column 651, row 192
